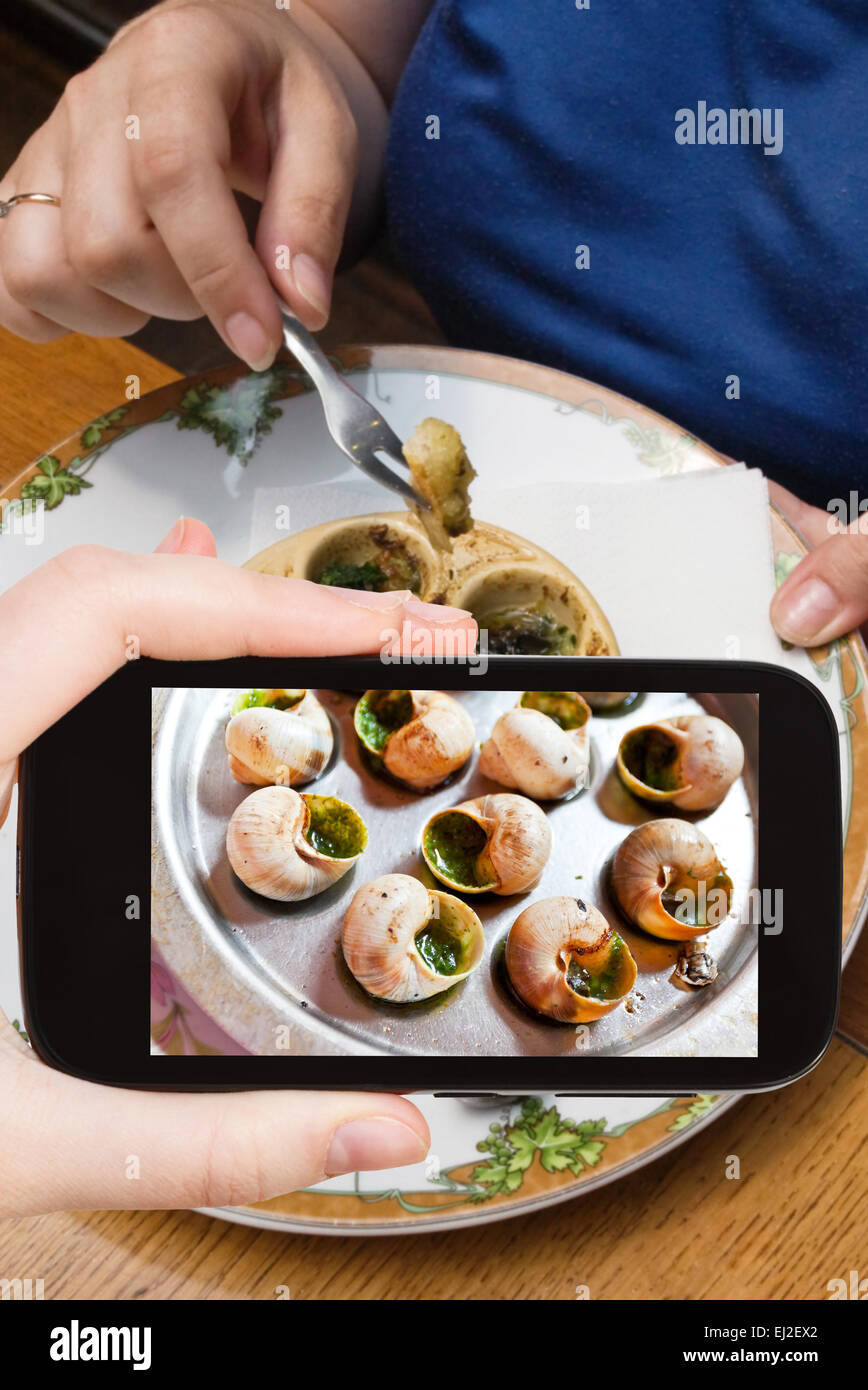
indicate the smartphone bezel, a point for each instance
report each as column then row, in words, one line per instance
column 84, row 846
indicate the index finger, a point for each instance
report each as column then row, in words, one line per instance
column 179, row 168
column 70, row 624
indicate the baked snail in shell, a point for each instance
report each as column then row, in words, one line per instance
column 542, row 747
column 565, row 961
column 404, row 942
column 280, row 737
column 667, row 878
column 492, row 844
column 290, row 845
column 420, row 737
column 690, row 760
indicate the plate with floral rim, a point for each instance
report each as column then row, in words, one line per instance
column 201, row 446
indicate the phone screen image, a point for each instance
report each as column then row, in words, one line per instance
column 461, row 873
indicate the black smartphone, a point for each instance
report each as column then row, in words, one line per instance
column 472, row 885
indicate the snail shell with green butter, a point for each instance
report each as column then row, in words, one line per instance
column 668, row 879
column 283, row 738
column 290, row 845
column 404, row 942
column 690, row 761
column 496, row 844
column 566, row 962
column 420, row 736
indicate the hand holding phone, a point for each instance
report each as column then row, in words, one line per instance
column 71, row 1144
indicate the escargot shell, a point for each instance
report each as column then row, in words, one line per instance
column 403, row 942
column 566, row 962
column 421, row 736
column 286, row 747
column 668, row 879
column 498, row 844
column 542, row 747
column 690, row 760
column 289, row 846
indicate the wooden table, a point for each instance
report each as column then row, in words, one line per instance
column 796, row 1217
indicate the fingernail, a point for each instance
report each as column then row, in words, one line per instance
column 379, row 1142
column 173, row 539
column 312, row 283
column 802, row 615
column 435, row 612
column 249, row 340
column 392, row 599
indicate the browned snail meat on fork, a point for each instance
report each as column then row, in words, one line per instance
column 441, row 473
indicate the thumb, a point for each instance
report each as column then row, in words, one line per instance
column 188, row 537
column 826, row 595
column 72, row 1145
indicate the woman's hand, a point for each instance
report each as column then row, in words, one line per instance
column 189, row 102
column 826, row 595
column 66, row 1142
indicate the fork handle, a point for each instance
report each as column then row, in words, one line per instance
column 304, row 346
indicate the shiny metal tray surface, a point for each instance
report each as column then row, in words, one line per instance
column 285, row 961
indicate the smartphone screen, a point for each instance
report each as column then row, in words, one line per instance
column 460, row 873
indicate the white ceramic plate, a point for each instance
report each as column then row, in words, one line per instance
column 124, row 479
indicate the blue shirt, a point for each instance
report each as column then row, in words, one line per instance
column 706, row 261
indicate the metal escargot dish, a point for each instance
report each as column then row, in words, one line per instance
column 404, row 942
column 429, row 883
column 541, row 747
column 420, row 737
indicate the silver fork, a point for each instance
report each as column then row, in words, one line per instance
column 355, row 425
